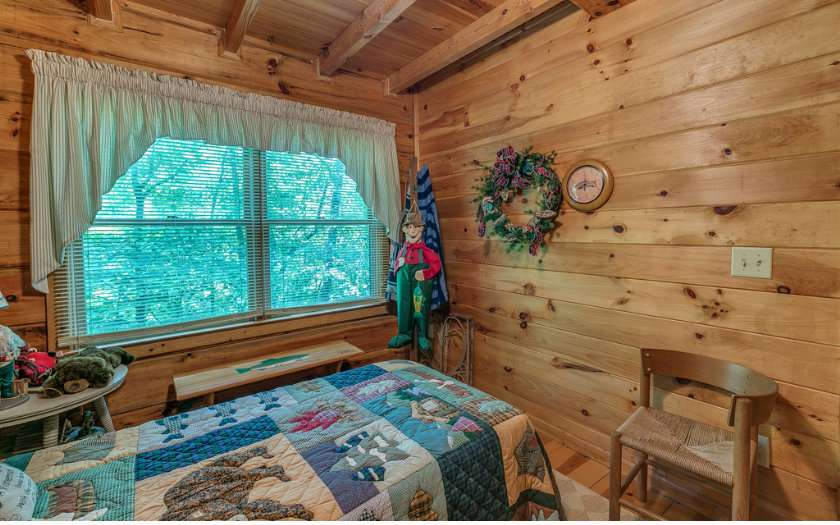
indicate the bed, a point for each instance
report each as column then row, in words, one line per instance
column 390, row 441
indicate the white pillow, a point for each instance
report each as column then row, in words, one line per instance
column 17, row 494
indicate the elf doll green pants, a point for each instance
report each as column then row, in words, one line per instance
column 413, row 301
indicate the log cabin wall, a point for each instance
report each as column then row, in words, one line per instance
column 168, row 44
column 721, row 122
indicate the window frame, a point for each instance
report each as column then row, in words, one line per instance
column 257, row 228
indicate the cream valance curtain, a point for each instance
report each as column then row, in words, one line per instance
column 91, row 121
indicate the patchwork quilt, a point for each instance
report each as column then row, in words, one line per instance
column 391, row 441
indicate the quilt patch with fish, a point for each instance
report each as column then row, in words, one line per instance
column 390, row 441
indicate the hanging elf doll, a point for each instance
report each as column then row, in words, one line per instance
column 416, row 266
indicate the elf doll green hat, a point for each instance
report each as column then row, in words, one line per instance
column 412, row 216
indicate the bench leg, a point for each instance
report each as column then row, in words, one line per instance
column 210, row 398
column 50, row 431
column 104, row 415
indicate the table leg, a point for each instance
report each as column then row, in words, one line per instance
column 50, row 431
column 104, row 415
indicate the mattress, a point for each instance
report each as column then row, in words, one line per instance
column 390, row 441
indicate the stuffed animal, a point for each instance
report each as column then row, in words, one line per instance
column 94, row 366
column 115, row 355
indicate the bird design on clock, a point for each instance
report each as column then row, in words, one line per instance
column 587, row 185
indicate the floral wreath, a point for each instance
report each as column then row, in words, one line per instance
column 510, row 175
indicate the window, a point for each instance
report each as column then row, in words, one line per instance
column 197, row 235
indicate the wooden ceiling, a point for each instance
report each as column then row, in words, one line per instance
column 376, row 38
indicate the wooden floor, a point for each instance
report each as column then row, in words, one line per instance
column 594, row 474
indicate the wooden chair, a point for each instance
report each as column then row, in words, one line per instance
column 704, row 451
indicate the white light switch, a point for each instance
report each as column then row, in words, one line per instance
column 752, row 262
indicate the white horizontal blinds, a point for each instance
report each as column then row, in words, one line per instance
column 196, row 234
column 325, row 247
column 175, row 243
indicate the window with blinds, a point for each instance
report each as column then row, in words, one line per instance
column 197, row 235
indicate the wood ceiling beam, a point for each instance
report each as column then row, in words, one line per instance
column 101, row 9
column 372, row 21
column 600, row 7
column 550, row 16
column 505, row 17
column 240, row 18
column 103, row 12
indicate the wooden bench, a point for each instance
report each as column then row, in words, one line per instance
column 208, row 382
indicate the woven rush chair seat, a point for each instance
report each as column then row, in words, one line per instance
column 705, row 451
column 695, row 447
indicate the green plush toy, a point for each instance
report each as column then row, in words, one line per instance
column 94, row 365
column 115, row 355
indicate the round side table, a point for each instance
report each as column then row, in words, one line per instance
column 48, row 409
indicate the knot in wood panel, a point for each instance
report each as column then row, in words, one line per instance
column 272, row 66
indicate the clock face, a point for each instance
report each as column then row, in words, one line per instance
column 585, row 184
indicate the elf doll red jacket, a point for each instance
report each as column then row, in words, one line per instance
column 410, row 254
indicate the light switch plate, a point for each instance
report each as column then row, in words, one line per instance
column 752, row 262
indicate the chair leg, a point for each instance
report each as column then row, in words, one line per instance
column 742, row 467
column 615, row 476
column 642, row 482
column 754, row 473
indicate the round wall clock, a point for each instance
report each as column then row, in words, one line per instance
column 587, row 185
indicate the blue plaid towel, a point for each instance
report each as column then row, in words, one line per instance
column 431, row 236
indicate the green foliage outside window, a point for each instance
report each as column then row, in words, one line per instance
column 195, row 232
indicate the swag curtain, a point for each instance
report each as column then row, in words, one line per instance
column 91, row 121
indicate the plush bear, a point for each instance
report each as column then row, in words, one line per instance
column 94, row 365
column 115, row 355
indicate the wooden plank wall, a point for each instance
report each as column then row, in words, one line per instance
column 721, row 121
column 165, row 43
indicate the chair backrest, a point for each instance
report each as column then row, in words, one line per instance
column 741, row 381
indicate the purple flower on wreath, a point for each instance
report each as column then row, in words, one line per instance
column 502, row 167
column 541, row 171
column 520, row 182
column 482, row 229
column 506, row 153
column 500, row 181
